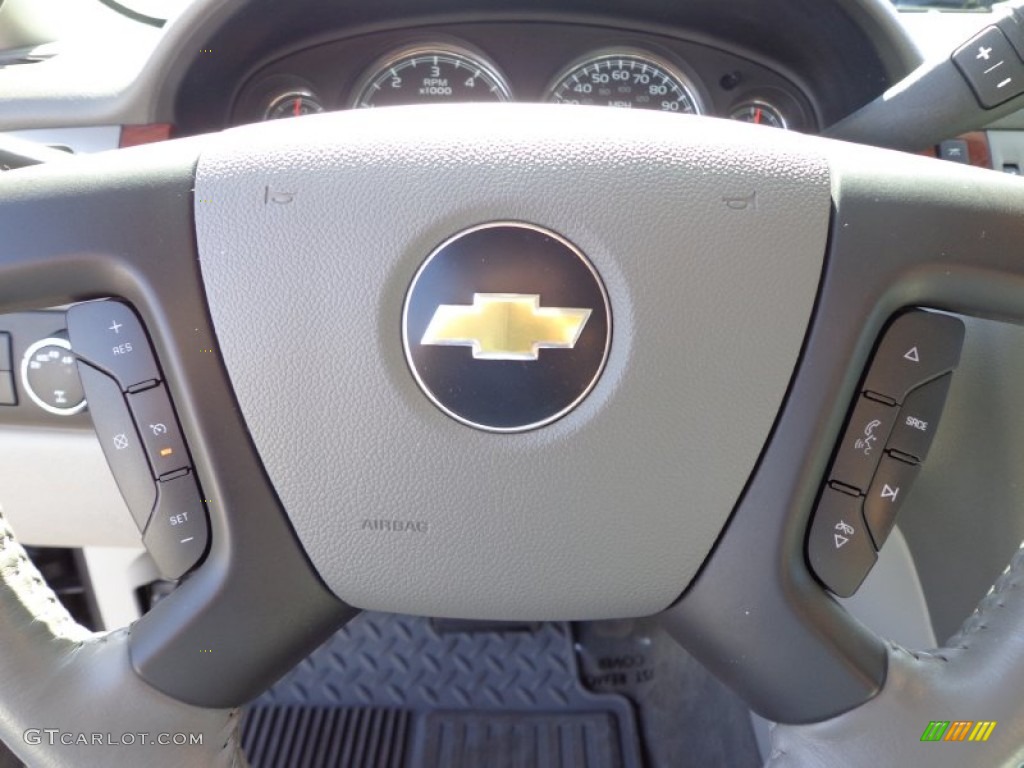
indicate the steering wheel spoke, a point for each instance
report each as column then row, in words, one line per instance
column 121, row 226
column 905, row 233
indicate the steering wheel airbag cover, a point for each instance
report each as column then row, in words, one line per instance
column 709, row 238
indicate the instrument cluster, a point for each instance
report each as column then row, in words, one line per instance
column 557, row 63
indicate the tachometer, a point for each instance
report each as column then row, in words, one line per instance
column 431, row 74
column 632, row 79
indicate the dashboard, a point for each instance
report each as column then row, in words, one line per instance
column 533, row 62
column 761, row 62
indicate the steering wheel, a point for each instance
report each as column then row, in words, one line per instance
column 659, row 451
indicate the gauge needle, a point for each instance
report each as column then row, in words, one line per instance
column 757, row 116
column 298, row 106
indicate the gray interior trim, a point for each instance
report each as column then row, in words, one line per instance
column 112, row 575
column 57, row 491
column 80, row 140
column 1007, row 147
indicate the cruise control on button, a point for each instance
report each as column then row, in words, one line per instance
column 110, row 336
column 159, row 429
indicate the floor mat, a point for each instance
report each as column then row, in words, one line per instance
column 688, row 718
column 395, row 691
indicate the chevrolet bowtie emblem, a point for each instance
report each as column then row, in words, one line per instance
column 506, row 326
column 452, row 326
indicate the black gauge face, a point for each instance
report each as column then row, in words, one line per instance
column 293, row 104
column 631, row 80
column 759, row 113
column 431, row 75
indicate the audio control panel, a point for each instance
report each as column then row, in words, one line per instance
column 890, row 429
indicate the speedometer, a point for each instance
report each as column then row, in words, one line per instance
column 431, row 74
column 632, row 79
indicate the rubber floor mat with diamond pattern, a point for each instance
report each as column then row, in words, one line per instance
column 392, row 691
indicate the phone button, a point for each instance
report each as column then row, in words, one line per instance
column 863, row 443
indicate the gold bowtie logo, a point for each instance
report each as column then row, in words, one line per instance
column 505, row 326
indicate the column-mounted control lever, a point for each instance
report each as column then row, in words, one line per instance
column 978, row 83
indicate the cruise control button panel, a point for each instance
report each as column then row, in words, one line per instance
column 135, row 421
column 879, row 456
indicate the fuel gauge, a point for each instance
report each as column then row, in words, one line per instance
column 759, row 113
column 293, row 104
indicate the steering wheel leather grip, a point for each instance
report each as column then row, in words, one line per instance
column 977, row 676
column 64, row 683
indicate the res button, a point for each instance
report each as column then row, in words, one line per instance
column 108, row 335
